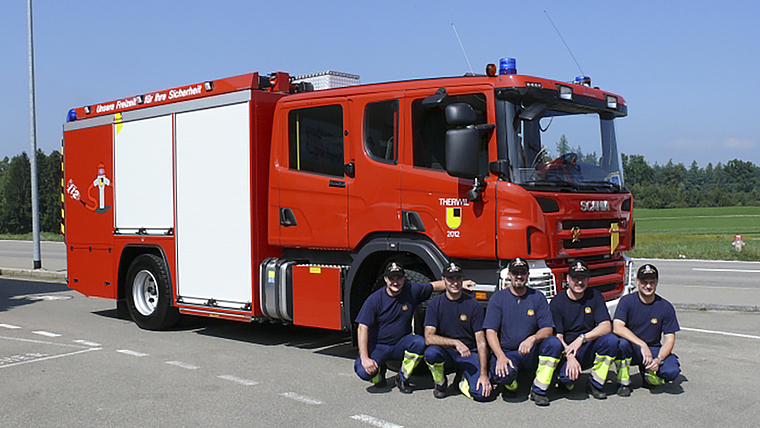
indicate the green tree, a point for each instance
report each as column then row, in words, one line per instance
column 16, row 210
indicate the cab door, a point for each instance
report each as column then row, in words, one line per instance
column 313, row 190
column 433, row 200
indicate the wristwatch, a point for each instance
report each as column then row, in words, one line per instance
column 583, row 337
column 659, row 360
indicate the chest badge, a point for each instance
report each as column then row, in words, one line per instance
column 654, row 321
column 405, row 307
column 531, row 312
column 587, row 310
column 463, row 317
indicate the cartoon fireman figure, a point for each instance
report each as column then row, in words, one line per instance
column 101, row 181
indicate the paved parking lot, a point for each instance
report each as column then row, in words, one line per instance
column 66, row 360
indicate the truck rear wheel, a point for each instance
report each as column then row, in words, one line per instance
column 149, row 293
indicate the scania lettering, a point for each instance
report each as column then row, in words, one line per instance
column 258, row 198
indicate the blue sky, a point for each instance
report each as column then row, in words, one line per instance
column 688, row 69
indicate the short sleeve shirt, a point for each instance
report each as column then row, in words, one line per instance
column 647, row 321
column 390, row 318
column 515, row 318
column 573, row 317
column 455, row 319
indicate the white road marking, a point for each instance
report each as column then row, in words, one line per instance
column 46, row 333
column 727, row 270
column 725, row 333
column 182, row 365
column 41, row 342
column 10, row 327
column 132, row 353
column 86, row 342
column 301, row 398
column 50, row 357
column 241, row 381
column 375, row 422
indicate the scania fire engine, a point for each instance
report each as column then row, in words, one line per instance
column 278, row 198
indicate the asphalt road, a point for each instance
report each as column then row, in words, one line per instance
column 66, row 360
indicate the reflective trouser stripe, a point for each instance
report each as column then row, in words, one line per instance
column 464, row 386
column 624, row 371
column 512, row 386
column 437, row 371
column 544, row 372
column 652, row 378
column 601, row 368
column 410, row 362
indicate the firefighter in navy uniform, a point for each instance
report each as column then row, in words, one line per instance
column 385, row 328
column 454, row 337
column 641, row 319
column 583, row 325
column 519, row 331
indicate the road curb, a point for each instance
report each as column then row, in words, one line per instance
column 37, row 274
column 716, row 307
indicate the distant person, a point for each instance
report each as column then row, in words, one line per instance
column 385, row 328
column 641, row 320
column 454, row 336
column 519, row 331
column 583, row 325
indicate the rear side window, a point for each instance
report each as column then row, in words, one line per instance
column 381, row 130
column 315, row 140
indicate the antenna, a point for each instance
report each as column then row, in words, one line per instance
column 563, row 41
column 462, row 46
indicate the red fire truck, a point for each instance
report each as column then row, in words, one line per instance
column 278, row 198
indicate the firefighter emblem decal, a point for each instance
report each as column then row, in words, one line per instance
column 531, row 312
column 463, row 317
column 654, row 321
column 96, row 204
column 587, row 310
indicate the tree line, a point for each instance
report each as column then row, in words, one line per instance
column 653, row 186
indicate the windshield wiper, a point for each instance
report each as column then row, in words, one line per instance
column 607, row 184
column 552, row 183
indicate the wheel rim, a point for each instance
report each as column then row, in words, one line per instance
column 145, row 292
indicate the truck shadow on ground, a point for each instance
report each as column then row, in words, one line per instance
column 16, row 292
column 326, row 342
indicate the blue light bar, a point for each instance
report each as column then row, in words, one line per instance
column 72, row 116
column 507, row 66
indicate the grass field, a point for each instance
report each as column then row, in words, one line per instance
column 697, row 233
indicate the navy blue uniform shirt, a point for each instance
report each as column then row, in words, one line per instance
column 573, row 317
column 647, row 321
column 390, row 318
column 455, row 319
column 515, row 318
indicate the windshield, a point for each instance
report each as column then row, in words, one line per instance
column 559, row 150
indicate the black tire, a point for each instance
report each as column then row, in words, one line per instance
column 149, row 293
column 418, row 321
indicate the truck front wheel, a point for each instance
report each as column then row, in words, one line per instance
column 149, row 294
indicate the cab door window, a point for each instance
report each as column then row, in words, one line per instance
column 429, row 131
column 315, row 140
column 381, row 130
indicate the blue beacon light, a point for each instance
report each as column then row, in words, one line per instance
column 507, row 66
column 72, row 116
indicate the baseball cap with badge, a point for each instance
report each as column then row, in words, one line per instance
column 578, row 268
column 647, row 271
column 452, row 270
column 393, row 269
column 518, row 264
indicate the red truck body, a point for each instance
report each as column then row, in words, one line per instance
column 255, row 198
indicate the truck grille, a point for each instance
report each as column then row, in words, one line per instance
column 543, row 283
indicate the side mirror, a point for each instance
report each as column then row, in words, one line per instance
column 460, row 114
column 533, row 112
column 462, row 152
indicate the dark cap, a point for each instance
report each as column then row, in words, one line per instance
column 452, row 270
column 647, row 271
column 518, row 264
column 393, row 269
column 578, row 268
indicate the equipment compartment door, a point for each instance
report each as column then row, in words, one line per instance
column 213, row 206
